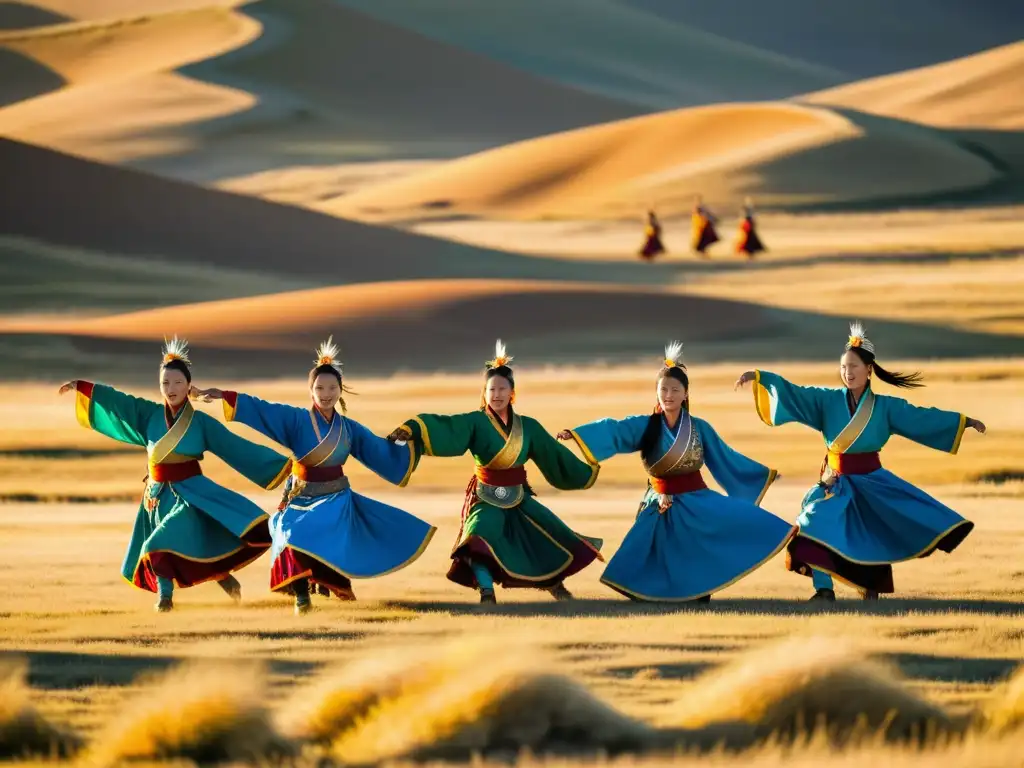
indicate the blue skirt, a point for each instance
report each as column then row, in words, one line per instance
column 703, row 543
column 857, row 528
column 333, row 539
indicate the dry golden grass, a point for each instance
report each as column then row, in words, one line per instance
column 23, row 731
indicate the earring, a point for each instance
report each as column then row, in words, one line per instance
column 512, row 399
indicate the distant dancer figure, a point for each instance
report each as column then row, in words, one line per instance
column 702, row 228
column 748, row 241
column 652, row 238
column 188, row 529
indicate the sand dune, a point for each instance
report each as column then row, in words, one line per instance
column 782, row 153
column 863, row 39
column 73, row 202
column 606, row 47
column 305, row 81
column 981, row 91
column 16, row 15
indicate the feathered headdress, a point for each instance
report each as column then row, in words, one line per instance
column 176, row 349
column 327, row 354
column 501, row 356
column 858, row 339
column 674, row 355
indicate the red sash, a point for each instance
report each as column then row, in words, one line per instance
column 506, row 477
column 676, row 484
column 174, row 473
column 317, row 474
column 852, row 463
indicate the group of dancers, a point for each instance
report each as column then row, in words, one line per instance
column 703, row 233
column 686, row 542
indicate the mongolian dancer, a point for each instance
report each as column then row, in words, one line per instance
column 188, row 529
column 702, row 227
column 860, row 518
column 652, row 238
column 687, row 541
column 325, row 532
column 507, row 536
column 748, row 241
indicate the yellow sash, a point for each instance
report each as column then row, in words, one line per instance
column 163, row 449
column 858, row 423
column 508, row 455
column 323, row 450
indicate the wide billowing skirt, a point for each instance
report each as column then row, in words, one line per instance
column 703, row 543
column 857, row 528
column 333, row 539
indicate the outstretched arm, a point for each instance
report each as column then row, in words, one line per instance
column 263, row 466
column 112, row 413
column 778, row 401
column 932, row 427
column 275, row 420
column 557, row 463
column 600, row 440
column 738, row 475
column 390, row 461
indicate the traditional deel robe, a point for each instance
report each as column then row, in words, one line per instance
column 326, row 532
column 861, row 518
column 702, row 229
column 705, row 541
column 188, row 528
column 652, row 240
column 503, row 525
column 748, row 241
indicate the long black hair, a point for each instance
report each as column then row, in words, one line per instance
column 894, row 378
column 649, row 439
column 330, row 369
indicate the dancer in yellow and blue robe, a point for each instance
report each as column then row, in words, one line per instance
column 188, row 529
column 507, row 537
column 861, row 518
column 325, row 532
column 687, row 541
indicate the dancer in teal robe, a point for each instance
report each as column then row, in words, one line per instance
column 861, row 518
column 325, row 532
column 507, row 537
column 188, row 529
column 687, row 541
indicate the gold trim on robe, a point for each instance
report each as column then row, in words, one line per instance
column 323, row 450
column 762, row 400
column 684, row 456
column 857, row 424
column 507, row 457
column 164, row 447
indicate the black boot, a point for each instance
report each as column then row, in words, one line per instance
column 869, row 594
column 704, row 599
column 487, row 597
column 824, row 594
column 231, row 586
column 164, row 605
column 560, row 593
column 303, row 603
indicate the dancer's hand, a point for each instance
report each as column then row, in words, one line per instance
column 748, row 376
column 978, row 425
column 664, row 503
column 73, row 384
column 565, row 434
column 400, row 435
column 206, row 395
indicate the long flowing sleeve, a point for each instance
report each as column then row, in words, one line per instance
column 931, row 427
column 434, row 435
column 263, row 466
column 779, row 402
column 112, row 413
column 557, row 463
column 738, row 475
column 392, row 462
column 275, row 420
column 600, row 440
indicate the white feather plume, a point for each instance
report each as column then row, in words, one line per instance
column 674, row 354
column 858, row 332
column 327, row 354
column 501, row 355
column 176, row 349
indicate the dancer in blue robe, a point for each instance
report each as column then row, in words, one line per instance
column 861, row 518
column 325, row 532
column 687, row 541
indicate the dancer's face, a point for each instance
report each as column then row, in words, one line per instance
column 173, row 386
column 671, row 395
column 325, row 391
column 854, row 372
column 498, row 393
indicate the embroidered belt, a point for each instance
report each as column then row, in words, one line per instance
column 676, row 484
column 311, row 482
column 502, row 488
column 837, row 464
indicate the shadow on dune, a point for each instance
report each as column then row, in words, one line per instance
column 15, row 15
column 22, row 78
